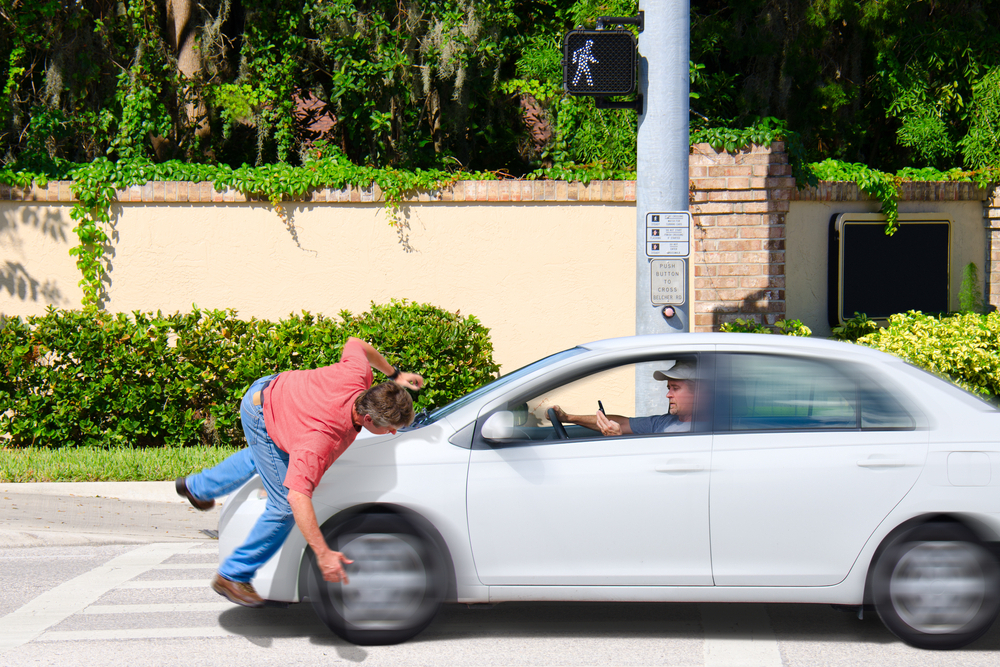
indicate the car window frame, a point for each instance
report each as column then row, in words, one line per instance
column 705, row 359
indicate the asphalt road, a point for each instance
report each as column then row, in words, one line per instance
column 138, row 594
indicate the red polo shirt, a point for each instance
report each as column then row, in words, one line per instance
column 308, row 414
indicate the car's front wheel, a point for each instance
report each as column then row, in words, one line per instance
column 397, row 580
column 937, row 587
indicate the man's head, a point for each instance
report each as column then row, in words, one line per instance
column 384, row 408
column 680, row 379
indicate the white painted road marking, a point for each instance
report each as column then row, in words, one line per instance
column 21, row 626
column 182, row 607
column 180, row 583
column 739, row 636
column 735, row 635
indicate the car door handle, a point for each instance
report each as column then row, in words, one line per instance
column 680, row 466
column 881, row 463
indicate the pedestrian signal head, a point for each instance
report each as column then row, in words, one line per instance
column 599, row 62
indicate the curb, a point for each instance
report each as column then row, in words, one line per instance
column 163, row 492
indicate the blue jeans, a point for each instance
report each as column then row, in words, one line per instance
column 263, row 457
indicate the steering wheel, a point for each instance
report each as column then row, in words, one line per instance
column 557, row 425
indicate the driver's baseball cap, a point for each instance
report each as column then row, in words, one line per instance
column 681, row 370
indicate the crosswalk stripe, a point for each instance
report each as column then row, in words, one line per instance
column 182, row 607
column 177, row 583
column 168, row 633
column 24, row 624
column 739, row 637
column 185, row 566
column 139, row 633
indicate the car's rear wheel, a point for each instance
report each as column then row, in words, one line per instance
column 937, row 587
column 397, row 580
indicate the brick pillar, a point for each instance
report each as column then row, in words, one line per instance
column 991, row 211
column 739, row 202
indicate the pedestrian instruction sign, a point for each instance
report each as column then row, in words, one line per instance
column 667, row 281
column 668, row 234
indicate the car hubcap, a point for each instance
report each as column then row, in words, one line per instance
column 388, row 581
column 939, row 587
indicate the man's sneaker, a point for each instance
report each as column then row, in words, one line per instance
column 182, row 490
column 236, row 591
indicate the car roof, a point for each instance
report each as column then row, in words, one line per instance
column 785, row 343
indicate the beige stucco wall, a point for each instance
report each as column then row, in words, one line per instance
column 542, row 276
column 806, row 234
column 36, row 270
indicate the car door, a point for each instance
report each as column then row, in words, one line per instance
column 591, row 510
column 809, row 456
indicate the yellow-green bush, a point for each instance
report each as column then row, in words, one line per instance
column 964, row 347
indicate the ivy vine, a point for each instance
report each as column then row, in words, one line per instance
column 94, row 184
column 885, row 187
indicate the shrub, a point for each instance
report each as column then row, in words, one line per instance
column 970, row 296
column 98, row 379
column 855, row 328
column 964, row 347
column 793, row 328
column 783, row 327
column 744, row 326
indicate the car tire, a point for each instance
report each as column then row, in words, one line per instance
column 937, row 587
column 397, row 581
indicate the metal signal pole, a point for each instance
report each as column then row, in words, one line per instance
column 664, row 242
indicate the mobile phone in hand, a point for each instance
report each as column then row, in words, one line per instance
column 600, row 406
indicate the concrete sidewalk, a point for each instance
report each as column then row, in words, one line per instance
column 73, row 513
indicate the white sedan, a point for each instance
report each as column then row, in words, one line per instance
column 807, row 471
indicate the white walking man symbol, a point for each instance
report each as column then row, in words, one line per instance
column 582, row 58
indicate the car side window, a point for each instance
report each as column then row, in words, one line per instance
column 772, row 392
column 527, row 419
column 880, row 411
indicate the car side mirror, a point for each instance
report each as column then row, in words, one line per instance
column 499, row 426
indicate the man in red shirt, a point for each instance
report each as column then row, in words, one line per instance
column 297, row 423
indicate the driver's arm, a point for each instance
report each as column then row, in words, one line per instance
column 613, row 424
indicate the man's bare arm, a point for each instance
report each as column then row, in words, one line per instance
column 379, row 363
column 592, row 421
column 331, row 563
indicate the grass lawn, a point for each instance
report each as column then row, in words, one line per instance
column 93, row 464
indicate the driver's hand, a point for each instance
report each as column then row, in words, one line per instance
column 331, row 564
column 607, row 426
column 560, row 414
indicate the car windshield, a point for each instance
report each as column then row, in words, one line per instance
column 431, row 416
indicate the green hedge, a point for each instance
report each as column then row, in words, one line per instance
column 71, row 378
column 964, row 347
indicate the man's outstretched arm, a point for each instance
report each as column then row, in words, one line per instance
column 612, row 424
column 331, row 563
column 379, row 363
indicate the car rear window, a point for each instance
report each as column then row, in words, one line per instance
column 975, row 401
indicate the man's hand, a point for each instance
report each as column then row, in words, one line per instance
column 409, row 381
column 561, row 414
column 607, row 426
column 331, row 564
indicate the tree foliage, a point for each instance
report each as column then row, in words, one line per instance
column 460, row 84
column 891, row 83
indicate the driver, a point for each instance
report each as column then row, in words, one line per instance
column 680, row 379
